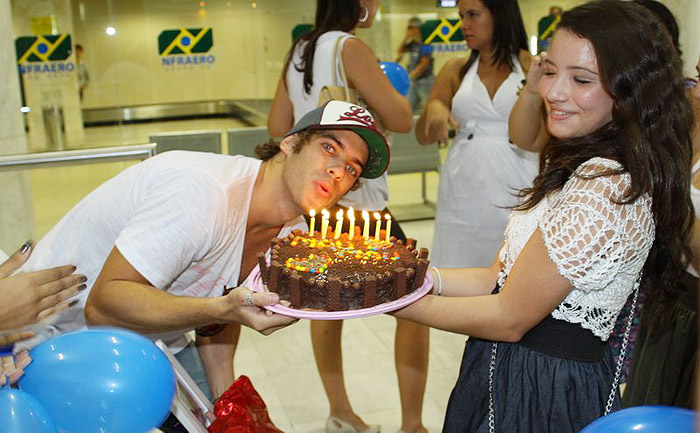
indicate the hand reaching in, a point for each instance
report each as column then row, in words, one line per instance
column 29, row 297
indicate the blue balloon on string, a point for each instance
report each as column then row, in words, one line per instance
column 101, row 380
column 22, row 413
column 645, row 419
column 398, row 76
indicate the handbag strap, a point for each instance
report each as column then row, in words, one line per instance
column 338, row 60
column 623, row 348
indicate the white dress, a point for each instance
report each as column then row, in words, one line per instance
column 482, row 173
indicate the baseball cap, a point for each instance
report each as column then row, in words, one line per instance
column 336, row 114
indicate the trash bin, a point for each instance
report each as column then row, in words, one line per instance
column 54, row 127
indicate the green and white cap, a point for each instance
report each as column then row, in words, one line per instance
column 336, row 114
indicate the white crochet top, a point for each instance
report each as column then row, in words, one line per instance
column 598, row 245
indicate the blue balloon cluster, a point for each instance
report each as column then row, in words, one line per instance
column 398, row 76
column 97, row 380
column 645, row 419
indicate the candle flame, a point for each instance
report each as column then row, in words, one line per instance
column 339, row 215
column 312, row 213
column 351, row 214
column 387, row 216
column 377, row 216
column 365, row 214
column 325, row 213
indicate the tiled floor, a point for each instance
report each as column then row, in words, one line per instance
column 281, row 366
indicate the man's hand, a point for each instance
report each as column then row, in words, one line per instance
column 245, row 306
column 26, row 298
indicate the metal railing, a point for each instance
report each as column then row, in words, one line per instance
column 73, row 157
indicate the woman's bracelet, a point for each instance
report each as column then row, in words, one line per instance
column 437, row 283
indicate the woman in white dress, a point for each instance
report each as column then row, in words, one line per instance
column 483, row 170
column 608, row 216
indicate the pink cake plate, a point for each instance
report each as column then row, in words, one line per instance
column 412, row 297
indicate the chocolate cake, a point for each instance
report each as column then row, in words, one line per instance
column 342, row 274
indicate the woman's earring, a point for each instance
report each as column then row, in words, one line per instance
column 364, row 18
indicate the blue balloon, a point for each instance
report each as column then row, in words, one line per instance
column 645, row 419
column 398, row 76
column 101, row 380
column 22, row 413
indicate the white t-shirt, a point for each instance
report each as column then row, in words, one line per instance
column 374, row 194
column 178, row 218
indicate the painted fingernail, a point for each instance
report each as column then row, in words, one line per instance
column 72, row 303
column 25, row 247
column 83, row 279
column 82, row 287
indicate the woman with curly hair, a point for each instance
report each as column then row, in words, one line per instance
column 608, row 216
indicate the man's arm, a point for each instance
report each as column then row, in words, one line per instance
column 422, row 65
column 122, row 297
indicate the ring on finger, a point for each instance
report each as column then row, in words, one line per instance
column 249, row 299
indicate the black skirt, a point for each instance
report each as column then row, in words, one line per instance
column 534, row 391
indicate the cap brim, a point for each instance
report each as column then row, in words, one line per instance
column 378, row 156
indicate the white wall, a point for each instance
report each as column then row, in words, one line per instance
column 687, row 13
column 249, row 43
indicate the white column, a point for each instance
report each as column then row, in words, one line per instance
column 16, row 216
column 42, row 89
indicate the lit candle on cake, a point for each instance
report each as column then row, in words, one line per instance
column 325, row 215
column 312, row 214
column 365, row 229
column 378, row 227
column 338, row 223
column 388, row 226
column 351, row 219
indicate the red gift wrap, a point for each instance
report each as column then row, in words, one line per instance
column 241, row 410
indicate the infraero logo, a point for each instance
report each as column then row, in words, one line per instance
column 185, row 41
column 44, row 48
column 43, row 54
column 443, row 34
column 186, row 46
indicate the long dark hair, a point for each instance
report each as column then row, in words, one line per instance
column 330, row 15
column 667, row 18
column 509, row 36
column 649, row 134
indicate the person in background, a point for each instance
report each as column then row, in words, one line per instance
column 546, row 27
column 28, row 298
column 482, row 170
column 608, row 216
column 83, row 75
column 169, row 243
column 308, row 68
column 420, row 65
